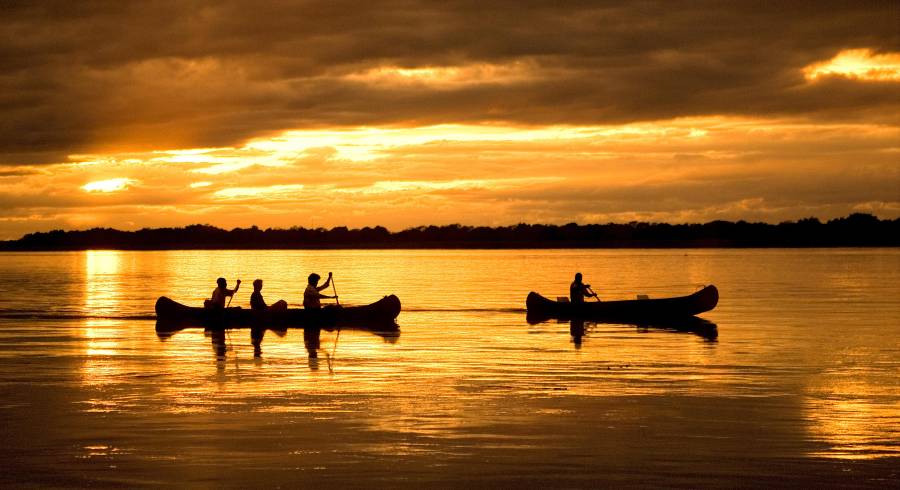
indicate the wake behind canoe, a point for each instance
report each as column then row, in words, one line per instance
column 703, row 300
column 172, row 315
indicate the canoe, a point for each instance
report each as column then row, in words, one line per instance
column 172, row 315
column 639, row 309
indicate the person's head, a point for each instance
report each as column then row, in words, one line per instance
column 314, row 278
column 577, row 277
column 257, row 285
column 221, row 282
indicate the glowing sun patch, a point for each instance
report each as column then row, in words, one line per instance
column 109, row 185
column 857, row 64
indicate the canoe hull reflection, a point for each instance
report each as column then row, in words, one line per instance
column 703, row 300
column 172, row 315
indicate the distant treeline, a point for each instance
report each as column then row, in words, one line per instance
column 856, row 230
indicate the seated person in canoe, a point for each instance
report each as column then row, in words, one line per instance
column 312, row 295
column 220, row 293
column 257, row 303
column 579, row 290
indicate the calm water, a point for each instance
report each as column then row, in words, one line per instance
column 800, row 386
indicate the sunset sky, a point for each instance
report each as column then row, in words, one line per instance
column 232, row 113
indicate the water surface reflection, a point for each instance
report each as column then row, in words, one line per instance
column 802, row 381
column 705, row 329
column 221, row 339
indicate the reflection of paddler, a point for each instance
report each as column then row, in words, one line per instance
column 576, row 328
column 312, row 342
column 218, row 342
column 256, row 338
column 257, row 332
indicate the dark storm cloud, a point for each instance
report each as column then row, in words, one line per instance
column 89, row 76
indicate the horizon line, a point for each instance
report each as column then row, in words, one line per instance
column 810, row 219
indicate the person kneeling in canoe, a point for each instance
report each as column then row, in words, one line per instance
column 579, row 290
column 220, row 293
column 257, row 303
column 312, row 295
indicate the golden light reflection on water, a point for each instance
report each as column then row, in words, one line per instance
column 205, row 371
column 856, row 413
column 102, row 336
column 855, row 428
column 465, row 349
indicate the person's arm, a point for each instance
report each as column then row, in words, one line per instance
column 586, row 291
column 326, row 284
column 230, row 292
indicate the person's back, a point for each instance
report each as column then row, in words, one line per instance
column 217, row 300
column 257, row 302
column 311, row 297
column 578, row 290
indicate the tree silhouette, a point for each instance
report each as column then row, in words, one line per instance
column 855, row 230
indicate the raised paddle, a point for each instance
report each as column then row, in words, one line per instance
column 333, row 288
column 238, row 286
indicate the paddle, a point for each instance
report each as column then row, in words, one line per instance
column 334, row 289
column 592, row 292
column 238, row 286
column 338, row 336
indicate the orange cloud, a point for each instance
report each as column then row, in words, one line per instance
column 272, row 191
column 858, row 64
column 687, row 169
column 448, row 76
